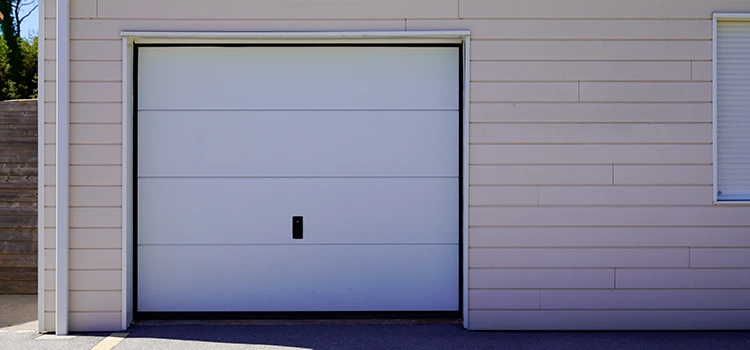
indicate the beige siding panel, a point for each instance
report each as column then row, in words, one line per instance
column 95, row 259
column 86, row 176
column 608, row 320
column 90, row 197
column 524, row 92
column 99, row 301
column 609, row 237
column 87, row 134
column 49, row 201
column 104, row 71
column 663, row 175
column 626, row 195
column 87, row 71
column 49, row 321
column 590, row 133
column 96, row 92
column 534, row 29
column 702, row 70
column 540, row 175
column 541, row 278
column 580, row 71
column 49, row 280
column 644, row 299
column 278, row 9
column 103, row 113
column 49, row 216
column 95, row 280
column 565, row 50
column 78, row 8
column 50, row 91
column 95, row 134
column 720, row 257
column 578, row 257
column 96, row 196
column 50, row 28
column 591, row 112
column 504, row 299
column 49, row 259
column 90, row 50
column 503, row 195
column 88, row 238
column 95, row 217
column 575, row 9
column 609, row 216
column 110, row 29
column 95, row 321
column 683, row 278
column 95, row 155
column 646, row 92
column 590, row 154
column 96, row 50
column 95, row 175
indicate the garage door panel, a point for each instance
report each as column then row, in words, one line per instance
column 320, row 278
column 335, row 210
column 298, row 143
column 276, row 78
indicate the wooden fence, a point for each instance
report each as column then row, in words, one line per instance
column 18, row 197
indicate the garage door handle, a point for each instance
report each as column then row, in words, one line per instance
column 296, row 227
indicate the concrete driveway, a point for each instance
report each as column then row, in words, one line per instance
column 18, row 331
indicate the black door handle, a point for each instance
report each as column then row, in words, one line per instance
column 297, row 227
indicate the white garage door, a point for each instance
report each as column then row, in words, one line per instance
column 297, row 178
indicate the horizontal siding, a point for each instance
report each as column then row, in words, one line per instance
column 606, row 9
column 541, row 278
column 683, row 278
column 644, row 299
column 590, row 50
column 609, row 216
column 590, row 154
column 581, row 71
column 663, row 175
column 89, row 238
column 88, row 113
column 645, row 92
column 609, row 237
column 504, row 299
column 625, row 195
column 550, row 29
column 279, row 9
column 100, row 301
column 578, row 257
column 95, row 321
column 583, row 113
column 720, row 257
column 609, row 319
column 539, row 175
column 589, row 133
column 88, row 175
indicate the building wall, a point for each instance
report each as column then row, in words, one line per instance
column 591, row 198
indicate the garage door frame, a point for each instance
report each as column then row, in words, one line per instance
column 133, row 40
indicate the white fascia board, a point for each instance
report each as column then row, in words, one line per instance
column 297, row 37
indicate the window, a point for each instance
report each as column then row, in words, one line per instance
column 731, row 108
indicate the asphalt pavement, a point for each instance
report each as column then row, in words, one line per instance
column 18, row 332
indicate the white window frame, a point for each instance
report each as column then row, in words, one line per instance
column 715, row 105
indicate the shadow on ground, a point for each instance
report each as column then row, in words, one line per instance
column 410, row 336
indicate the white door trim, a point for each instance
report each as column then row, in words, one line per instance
column 130, row 38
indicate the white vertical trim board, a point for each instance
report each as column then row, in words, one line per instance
column 466, row 95
column 41, row 325
column 731, row 109
column 127, row 196
column 62, row 166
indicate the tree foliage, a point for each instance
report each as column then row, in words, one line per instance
column 18, row 56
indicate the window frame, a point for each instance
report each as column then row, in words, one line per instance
column 717, row 17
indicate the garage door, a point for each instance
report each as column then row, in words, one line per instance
column 304, row 178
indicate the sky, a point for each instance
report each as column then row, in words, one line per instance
column 30, row 25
